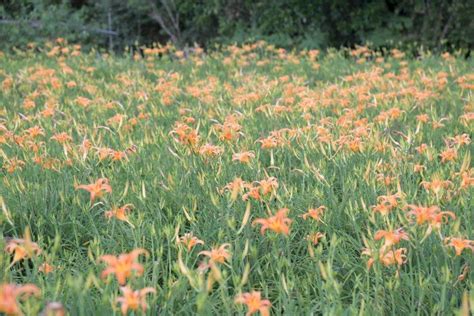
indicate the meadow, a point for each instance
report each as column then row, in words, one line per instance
column 242, row 180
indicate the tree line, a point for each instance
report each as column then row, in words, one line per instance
column 437, row 25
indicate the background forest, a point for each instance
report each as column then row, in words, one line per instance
column 437, row 25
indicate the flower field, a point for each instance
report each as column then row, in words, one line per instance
column 245, row 180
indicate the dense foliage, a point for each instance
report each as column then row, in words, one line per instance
column 246, row 179
column 434, row 24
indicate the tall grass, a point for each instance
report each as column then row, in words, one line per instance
column 340, row 129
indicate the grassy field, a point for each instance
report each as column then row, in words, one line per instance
column 249, row 179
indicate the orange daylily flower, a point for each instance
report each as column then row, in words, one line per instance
column 71, row 84
column 460, row 244
column 46, row 268
column 422, row 118
column 209, row 150
column 460, row 140
column 34, row 146
column 421, row 213
column 391, row 237
column 190, row 241
column 22, row 248
column 62, row 138
column 123, row 265
column 236, row 184
column 261, row 188
column 422, row 148
column 11, row 293
column 355, row 145
column 254, row 193
column 218, row 255
column 236, row 187
column 269, row 142
column 388, row 258
column 437, row 125
column 134, row 300
column 436, row 185
column 279, row 223
column 449, row 154
column 120, row 213
column 96, row 189
column 117, row 155
column 324, row 135
column 34, row 131
column 186, row 134
column 430, row 214
column 268, row 186
column 243, row 157
column 83, row 101
column 441, row 218
column 393, row 257
column 104, row 152
column 230, row 129
column 254, row 303
column 314, row 213
column 386, row 203
column 13, row 164
column 315, row 237
column 48, row 111
column 467, row 178
column 418, row 168
column 116, row 119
